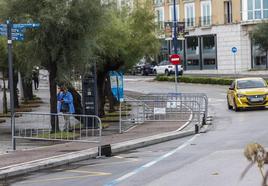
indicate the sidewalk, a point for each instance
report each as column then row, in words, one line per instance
column 27, row 160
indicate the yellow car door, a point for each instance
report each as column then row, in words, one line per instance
column 231, row 94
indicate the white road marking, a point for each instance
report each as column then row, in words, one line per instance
column 149, row 164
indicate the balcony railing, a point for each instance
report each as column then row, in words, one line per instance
column 228, row 18
column 189, row 22
column 205, row 21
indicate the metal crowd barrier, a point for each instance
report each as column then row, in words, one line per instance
column 37, row 126
column 191, row 108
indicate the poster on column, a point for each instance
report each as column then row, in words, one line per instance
column 117, row 85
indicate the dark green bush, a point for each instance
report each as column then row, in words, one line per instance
column 200, row 80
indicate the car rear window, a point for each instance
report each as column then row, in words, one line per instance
column 252, row 83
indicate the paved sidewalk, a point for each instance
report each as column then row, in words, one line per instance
column 26, row 160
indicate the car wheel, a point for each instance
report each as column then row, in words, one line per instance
column 155, row 73
column 228, row 104
column 167, row 73
column 236, row 109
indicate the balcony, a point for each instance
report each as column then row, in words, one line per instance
column 158, row 3
column 205, row 21
column 189, row 22
column 228, row 18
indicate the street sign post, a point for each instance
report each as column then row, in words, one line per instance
column 234, row 51
column 175, row 59
column 13, row 32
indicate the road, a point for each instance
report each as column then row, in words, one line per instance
column 207, row 159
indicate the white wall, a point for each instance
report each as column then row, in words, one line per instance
column 229, row 36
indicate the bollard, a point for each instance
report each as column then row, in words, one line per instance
column 196, row 129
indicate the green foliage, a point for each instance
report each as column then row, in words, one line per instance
column 200, row 80
column 259, row 35
column 126, row 37
column 65, row 37
column 3, row 54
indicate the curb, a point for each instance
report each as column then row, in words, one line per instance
column 24, row 168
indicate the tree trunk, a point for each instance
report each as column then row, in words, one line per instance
column 101, row 95
column 4, row 95
column 15, row 84
column 52, row 69
column 112, row 100
column 27, row 88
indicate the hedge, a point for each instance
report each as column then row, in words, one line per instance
column 201, row 80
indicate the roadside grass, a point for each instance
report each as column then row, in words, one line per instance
column 58, row 135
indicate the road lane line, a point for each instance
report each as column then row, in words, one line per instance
column 89, row 174
column 151, row 163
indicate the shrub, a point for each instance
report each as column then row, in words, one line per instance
column 201, row 80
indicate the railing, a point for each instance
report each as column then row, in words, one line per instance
column 189, row 22
column 71, row 127
column 185, row 108
column 205, row 21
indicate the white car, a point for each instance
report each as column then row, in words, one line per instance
column 165, row 67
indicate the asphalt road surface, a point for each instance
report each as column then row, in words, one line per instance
column 214, row 158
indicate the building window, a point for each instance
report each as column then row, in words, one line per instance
column 192, row 53
column 205, row 13
column 171, row 12
column 257, row 9
column 228, row 18
column 209, row 54
column 265, row 9
column 189, row 14
column 259, row 58
column 159, row 17
column 158, row 2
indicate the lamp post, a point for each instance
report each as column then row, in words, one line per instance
column 175, row 44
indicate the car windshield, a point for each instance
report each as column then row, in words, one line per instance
column 163, row 63
column 252, row 83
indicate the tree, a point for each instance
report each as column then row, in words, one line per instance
column 66, row 32
column 125, row 38
column 259, row 36
column 3, row 70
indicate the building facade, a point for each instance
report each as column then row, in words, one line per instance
column 213, row 28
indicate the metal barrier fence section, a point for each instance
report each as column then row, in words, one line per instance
column 188, row 108
column 38, row 126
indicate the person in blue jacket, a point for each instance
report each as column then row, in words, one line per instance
column 65, row 105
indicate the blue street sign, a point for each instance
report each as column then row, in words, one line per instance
column 17, row 34
column 12, row 30
column 17, row 38
column 30, row 25
column 234, row 50
column 13, row 34
column 3, row 25
column 3, row 33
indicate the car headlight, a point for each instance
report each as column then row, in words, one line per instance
column 241, row 95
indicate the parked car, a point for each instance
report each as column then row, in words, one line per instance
column 247, row 93
column 142, row 68
column 165, row 67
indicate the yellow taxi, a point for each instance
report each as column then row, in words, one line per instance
column 247, row 93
